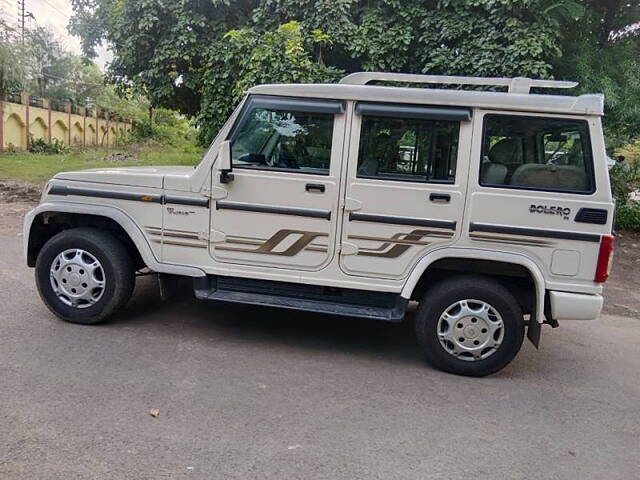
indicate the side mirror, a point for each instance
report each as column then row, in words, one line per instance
column 224, row 162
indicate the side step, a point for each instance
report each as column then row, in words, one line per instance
column 389, row 307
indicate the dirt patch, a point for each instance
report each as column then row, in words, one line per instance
column 16, row 199
column 120, row 157
column 11, row 216
column 622, row 290
column 14, row 191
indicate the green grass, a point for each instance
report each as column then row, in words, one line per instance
column 37, row 168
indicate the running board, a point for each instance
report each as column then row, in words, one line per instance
column 389, row 307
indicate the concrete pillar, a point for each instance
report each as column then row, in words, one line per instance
column 49, row 121
column 69, row 124
column 1, row 125
column 25, row 102
column 83, row 111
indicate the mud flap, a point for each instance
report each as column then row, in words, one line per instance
column 172, row 287
column 533, row 331
column 535, row 328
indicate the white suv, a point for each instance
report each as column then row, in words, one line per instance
column 492, row 209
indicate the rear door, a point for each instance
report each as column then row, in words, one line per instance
column 539, row 186
column 406, row 178
column 280, row 208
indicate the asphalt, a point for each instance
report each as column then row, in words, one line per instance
column 249, row 393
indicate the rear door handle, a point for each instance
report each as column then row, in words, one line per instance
column 315, row 187
column 440, row 197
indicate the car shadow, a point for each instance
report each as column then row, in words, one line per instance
column 273, row 326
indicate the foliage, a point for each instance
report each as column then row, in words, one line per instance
column 39, row 145
column 196, row 56
column 628, row 217
column 621, row 87
column 165, row 127
column 41, row 67
column 12, row 65
column 173, row 51
column 602, row 53
column 630, row 152
column 625, row 179
column 255, row 58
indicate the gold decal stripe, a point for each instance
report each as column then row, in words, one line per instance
column 173, row 233
column 193, row 236
column 399, row 242
column 511, row 240
column 180, row 244
column 268, row 246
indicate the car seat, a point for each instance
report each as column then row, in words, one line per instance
column 552, row 177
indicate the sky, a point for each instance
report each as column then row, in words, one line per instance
column 53, row 14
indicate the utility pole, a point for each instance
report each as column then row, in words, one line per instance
column 21, row 17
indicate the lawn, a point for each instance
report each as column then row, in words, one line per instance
column 37, row 168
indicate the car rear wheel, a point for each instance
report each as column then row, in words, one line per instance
column 84, row 275
column 469, row 325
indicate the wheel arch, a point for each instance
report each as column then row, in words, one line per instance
column 34, row 235
column 473, row 259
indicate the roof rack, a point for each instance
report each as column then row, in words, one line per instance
column 515, row 85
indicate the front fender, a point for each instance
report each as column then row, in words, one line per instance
column 475, row 254
column 117, row 215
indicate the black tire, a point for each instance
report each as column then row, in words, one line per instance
column 117, row 266
column 440, row 297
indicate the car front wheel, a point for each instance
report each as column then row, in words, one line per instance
column 84, row 275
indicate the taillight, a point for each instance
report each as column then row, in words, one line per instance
column 605, row 258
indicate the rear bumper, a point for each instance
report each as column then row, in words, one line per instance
column 575, row 306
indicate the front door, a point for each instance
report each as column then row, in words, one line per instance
column 280, row 209
column 406, row 180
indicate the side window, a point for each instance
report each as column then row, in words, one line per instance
column 536, row 153
column 284, row 140
column 417, row 150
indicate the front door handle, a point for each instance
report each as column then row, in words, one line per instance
column 440, row 197
column 315, row 187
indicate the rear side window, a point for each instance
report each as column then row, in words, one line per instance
column 536, row 153
column 406, row 149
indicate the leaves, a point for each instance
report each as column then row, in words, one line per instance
column 247, row 57
column 567, row 9
column 199, row 56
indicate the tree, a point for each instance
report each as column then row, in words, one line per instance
column 602, row 52
column 12, row 64
column 174, row 51
column 56, row 74
column 247, row 57
column 159, row 45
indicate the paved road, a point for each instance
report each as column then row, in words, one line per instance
column 253, row 393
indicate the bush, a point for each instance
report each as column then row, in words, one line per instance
column 628, row 216
column 39, row 145
column 630, row 151
column 625, row 179
column 167, row 128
